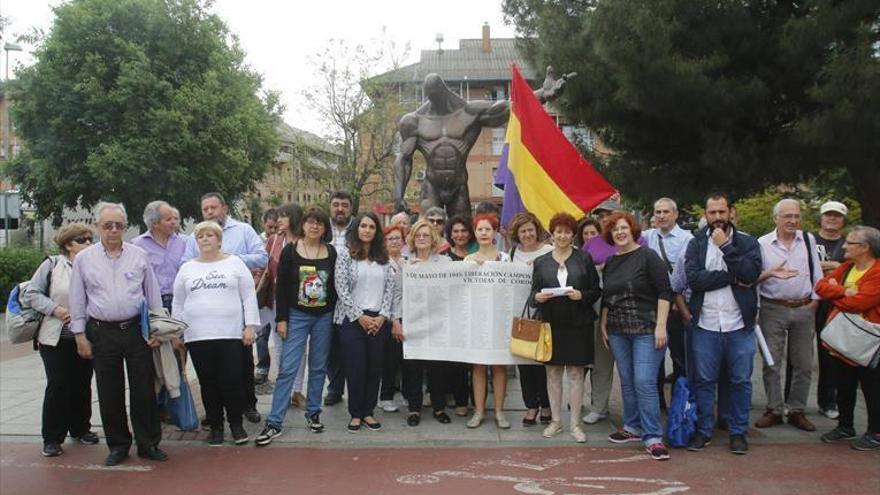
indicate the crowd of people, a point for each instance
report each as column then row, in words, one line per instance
column 325, row 288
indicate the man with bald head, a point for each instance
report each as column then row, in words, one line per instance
column 444, row 129
column 791, row 268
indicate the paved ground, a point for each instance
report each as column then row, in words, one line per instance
column 432, row 458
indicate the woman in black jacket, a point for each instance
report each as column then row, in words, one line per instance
column 571, row 318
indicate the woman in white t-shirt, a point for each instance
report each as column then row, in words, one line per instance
column 365, row 288
column 214, row 294
column 529, row 242
column 485, row 227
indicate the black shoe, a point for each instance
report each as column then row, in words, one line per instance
column 215, row 439
column 839, row 433
column 265, row 437
column 239, row 436
column 354, row 428
column 413, row 419
column 252, row 415
column 115, row 457
column 87, row 438
column 153, row 454
column 332, row 400
column 314, row 423
column 738, row 444
column 441, row 416
column 699, row 442
column 52, row 449
column 374, row 426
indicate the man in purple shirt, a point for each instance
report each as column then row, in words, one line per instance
column 163, row 246
column 110, row 283
column 791, row 269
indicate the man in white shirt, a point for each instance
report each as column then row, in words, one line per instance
column 722, row 264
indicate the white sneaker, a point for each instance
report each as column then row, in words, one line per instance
column 829, row 413
column 475, row 421
column 578, row 434
column 553, row 429
column 388, row 406
column 594, row 417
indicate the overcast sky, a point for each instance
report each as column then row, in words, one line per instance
column 279, row 36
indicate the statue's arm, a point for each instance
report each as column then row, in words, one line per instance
column 409, row 125
column 490, row 113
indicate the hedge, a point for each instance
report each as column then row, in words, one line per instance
column 17, row 265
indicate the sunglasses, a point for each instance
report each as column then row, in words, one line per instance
column 82, row 240
column 113, row 225
column 436, row 221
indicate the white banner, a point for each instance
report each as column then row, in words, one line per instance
column 462, row 311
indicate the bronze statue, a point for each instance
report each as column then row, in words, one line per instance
column 444, row 129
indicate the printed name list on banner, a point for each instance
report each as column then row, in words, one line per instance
column 462, row 311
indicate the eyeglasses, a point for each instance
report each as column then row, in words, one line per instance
column 313, row 221
column 436, row 221
column 393, row 239
column 82, row 240
column 854, row 243
column 423, row 236
column 113, row 225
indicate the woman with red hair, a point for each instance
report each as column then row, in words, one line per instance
column 485, row 228
column 635, row 304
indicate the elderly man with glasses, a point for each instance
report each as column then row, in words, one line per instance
column 110, row 283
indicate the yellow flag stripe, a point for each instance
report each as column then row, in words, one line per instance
column 539, row 193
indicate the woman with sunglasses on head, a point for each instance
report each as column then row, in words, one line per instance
column 67, row 402
column 485, row 228
column 305, row 297
column 365, row 286
column 423, row 241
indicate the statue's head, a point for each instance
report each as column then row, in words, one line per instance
column 435, row 89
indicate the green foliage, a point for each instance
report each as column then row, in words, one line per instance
column 695, row 96
column 136, row 100
column 16, row 266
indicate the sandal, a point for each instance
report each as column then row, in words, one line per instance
column 442, row 417
column 527, row 421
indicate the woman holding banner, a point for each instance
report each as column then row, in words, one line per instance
column 365, row 288
column 571, row 318
column 635, row 304
column 460, row 236
column 423, row 241
column 528, row 238
column 485, row 228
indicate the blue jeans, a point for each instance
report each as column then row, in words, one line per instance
column 301, row 328
column 735, row 351
column 637, row 364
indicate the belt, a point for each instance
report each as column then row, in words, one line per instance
column 116, row 325
column 788, row 303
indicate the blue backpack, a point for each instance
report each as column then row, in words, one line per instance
column 23, row 321
column 682, row 421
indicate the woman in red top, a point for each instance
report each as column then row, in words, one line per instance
column 855, row 288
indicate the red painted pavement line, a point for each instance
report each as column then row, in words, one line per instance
column 768, row 469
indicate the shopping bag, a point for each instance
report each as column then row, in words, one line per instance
column 183, row 409
column 682, row 420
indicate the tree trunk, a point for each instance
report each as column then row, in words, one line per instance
column 866, row 180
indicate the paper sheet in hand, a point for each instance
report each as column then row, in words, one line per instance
column 556, row 291
column 765, row 351
column 461, row 311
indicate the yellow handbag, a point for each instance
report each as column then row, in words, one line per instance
column 531, row 339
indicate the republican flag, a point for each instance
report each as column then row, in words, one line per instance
column 540, row 170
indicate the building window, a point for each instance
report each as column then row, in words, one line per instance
column 498, row 135
column 497, row 192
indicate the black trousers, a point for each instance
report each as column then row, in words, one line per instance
column 533, row 382
column 247, row 375
column 457, row 383
column 67, row 403
column 218, row 366
column 675, row 332
column 335, row 372
column 390, row 368
column 362, row 357
column 848, row 378
column 414, row 371
column 113, row 348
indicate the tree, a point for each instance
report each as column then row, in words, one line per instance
column 360, row 115
column 136, row 100
column 734, row 95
